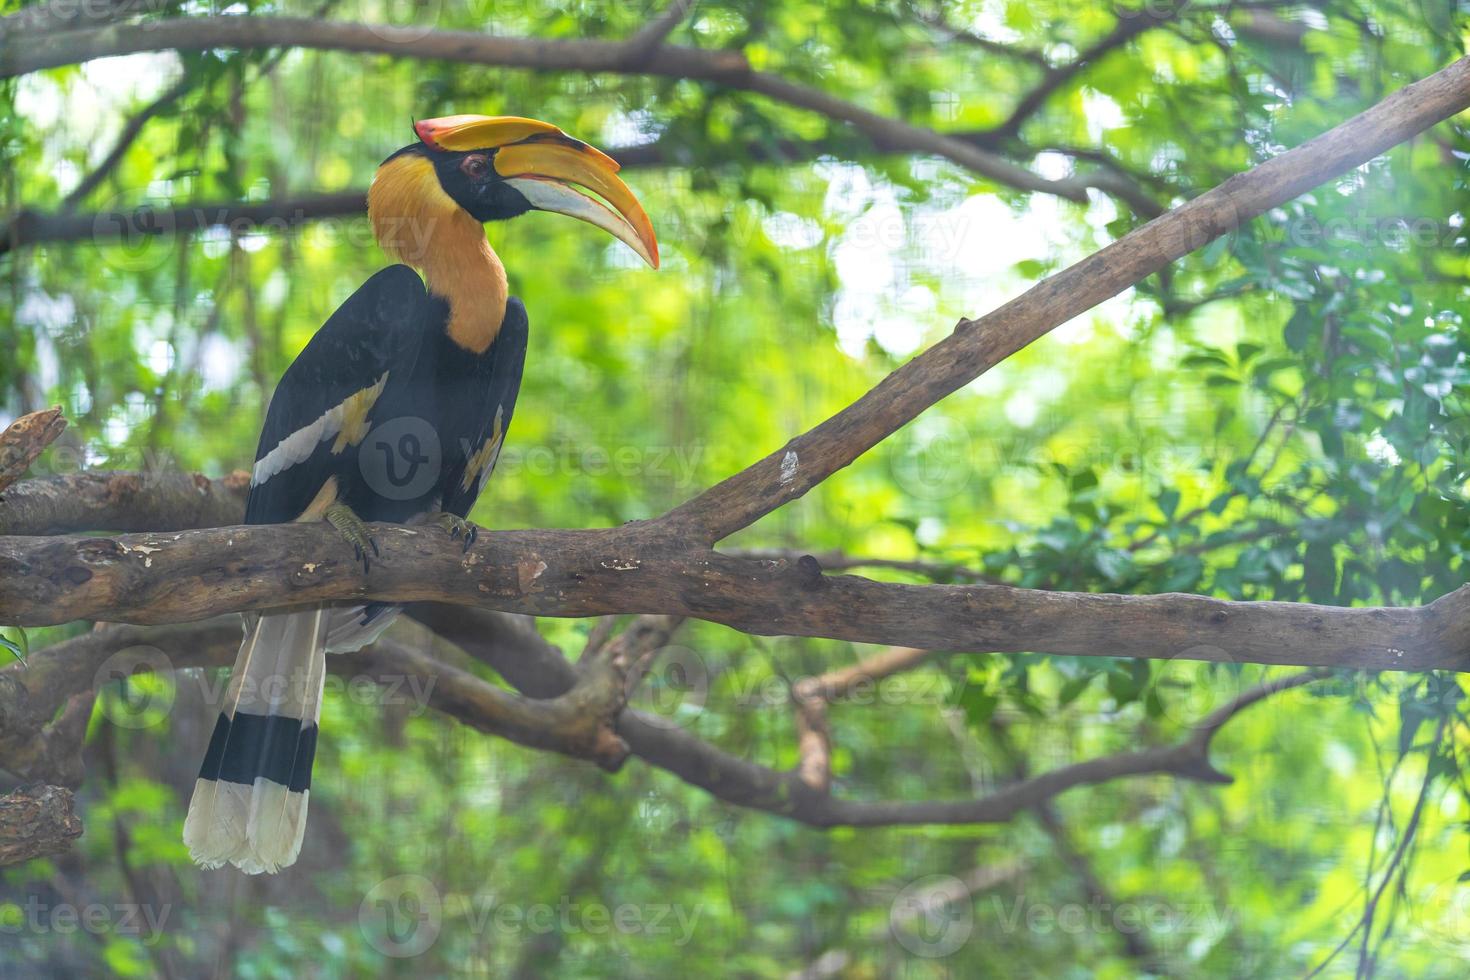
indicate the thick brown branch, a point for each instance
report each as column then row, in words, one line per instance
column 36, row 821
column 19, row 56
column 978, row 345
column 25, row 439
column 113, row 501
column 638, row 568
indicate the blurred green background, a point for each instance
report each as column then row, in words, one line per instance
column 1282, row 416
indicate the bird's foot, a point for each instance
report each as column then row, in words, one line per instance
column 456, row 527
column 354, row 532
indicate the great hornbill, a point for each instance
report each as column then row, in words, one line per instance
column 395, row 411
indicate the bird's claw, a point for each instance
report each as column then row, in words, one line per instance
column 457, row 527
column 355, row 533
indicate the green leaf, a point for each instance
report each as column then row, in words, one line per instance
column 19, row 648
column 1319, row 572
column 1299, row 329
column 1168, row 502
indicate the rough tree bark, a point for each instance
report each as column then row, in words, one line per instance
column 36, row 821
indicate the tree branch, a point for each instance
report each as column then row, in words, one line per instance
column 125, row 139
column 19, row 56
column 36, row 821
column 1052, row 79
column 653, row 34
column 978, row 345
column 572, row 718
column 33, row 227
column 29, row 227
column 117, row 501
column 25, row 439
column 641, row 568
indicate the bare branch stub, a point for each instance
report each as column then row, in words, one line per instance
column 36, row 821
column 656, row 31
column 24, row 440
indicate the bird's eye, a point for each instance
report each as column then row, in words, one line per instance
column 475, row 166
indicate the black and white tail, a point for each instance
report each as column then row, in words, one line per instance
column 249, row 803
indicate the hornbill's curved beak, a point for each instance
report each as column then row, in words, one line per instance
column 544, row 165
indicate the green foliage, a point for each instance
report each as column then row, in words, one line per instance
column 1282, row 417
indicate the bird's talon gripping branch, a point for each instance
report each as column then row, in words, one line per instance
column 354, row 532
column 456, row 527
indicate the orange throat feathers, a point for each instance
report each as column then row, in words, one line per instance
column 418, row 224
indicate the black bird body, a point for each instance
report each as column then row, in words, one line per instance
column 433, row 418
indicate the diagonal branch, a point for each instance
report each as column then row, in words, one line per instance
column 1054, row 78
column 125, row 139
column 978, row 345
column 657, row 31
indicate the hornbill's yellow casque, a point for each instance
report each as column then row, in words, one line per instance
column 395, row 411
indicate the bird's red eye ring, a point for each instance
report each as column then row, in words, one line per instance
column 475, row 166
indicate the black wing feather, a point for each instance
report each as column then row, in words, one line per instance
column 378, row 329
column 497, row 385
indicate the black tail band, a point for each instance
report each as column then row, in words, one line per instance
column 251, row 747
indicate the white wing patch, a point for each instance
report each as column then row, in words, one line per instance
column 482, row 463
column 346, row 422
